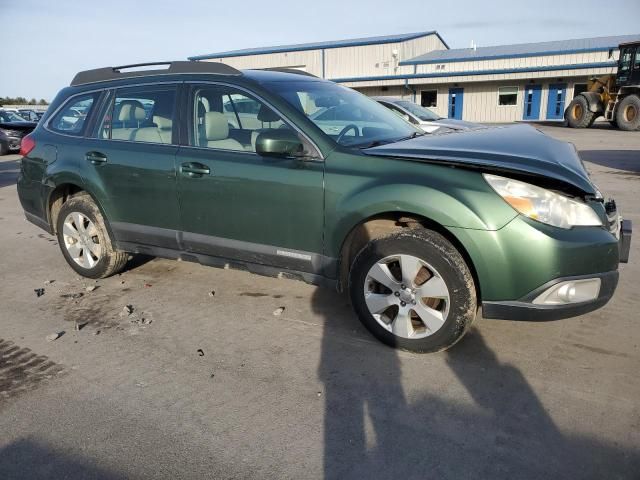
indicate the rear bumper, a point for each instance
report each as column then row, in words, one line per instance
column 525, row 310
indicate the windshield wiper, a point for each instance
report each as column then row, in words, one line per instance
column 413, row 135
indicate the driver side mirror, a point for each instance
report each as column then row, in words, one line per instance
column 279, row 143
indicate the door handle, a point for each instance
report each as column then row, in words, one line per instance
column 194, row 169
column 96, row 158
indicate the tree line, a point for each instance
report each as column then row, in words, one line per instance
column 22, row 101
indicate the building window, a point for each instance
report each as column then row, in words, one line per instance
column 578, row 88
column 429, row 98
column 507, row 96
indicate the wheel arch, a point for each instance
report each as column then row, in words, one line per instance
column 61, row 193
column 384, row 223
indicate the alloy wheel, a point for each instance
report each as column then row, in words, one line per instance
column 407, row 296
column 81, row 240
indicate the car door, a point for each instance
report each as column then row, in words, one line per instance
column 237, row 204
column 131, row 162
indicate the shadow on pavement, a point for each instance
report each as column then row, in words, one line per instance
column 628, row 160
column 29, row 459
column 9, row 173
column 372, row 430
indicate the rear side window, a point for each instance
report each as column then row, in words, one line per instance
column 141, row 115
column 72, row 118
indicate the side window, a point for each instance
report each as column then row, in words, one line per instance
column 71, row 120
column 140, row 115
column 229, row 119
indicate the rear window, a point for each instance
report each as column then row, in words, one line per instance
column 72, row 118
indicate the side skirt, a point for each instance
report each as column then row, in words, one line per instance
column 221, row 262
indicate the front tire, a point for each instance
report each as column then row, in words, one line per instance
column 84, row 240
column 628, row 113
column 413, row 291
column 578, row 114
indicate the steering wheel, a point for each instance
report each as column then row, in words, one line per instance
column 343, row 132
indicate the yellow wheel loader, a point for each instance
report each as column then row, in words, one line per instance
column 616, row 97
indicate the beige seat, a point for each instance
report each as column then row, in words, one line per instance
column 217, row 132
column 129, row 115
column 164, row 127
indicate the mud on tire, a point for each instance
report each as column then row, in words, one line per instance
column 110, row 261
column 434, row 252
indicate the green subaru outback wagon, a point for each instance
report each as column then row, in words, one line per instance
column 280, row 172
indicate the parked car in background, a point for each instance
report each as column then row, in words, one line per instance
column 28, row 114
column 318, row 182
column 12, row 129
column 40, row 114
column 426, row 119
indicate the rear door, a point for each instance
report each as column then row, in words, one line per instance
column 237, row 204
column 131, row 163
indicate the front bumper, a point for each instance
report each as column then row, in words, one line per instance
column 525, row 309
column 529, row 310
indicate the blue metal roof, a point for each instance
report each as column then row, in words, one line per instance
column 523, row 50
column 353, row 42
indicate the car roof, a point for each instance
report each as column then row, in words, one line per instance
column 132, row 73
column 390, row 99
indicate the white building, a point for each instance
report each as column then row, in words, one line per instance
column 532, row 81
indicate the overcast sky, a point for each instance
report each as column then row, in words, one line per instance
column 45, row 42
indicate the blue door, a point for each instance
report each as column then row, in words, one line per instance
column 455, row 103
column 531, row 102
column 555, row 103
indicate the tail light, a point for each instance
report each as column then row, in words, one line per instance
column 27, row 144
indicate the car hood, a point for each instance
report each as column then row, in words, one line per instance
column 19, row 126
column 453, row 124
column 515, row 148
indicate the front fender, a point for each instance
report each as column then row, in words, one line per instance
column 450, row 197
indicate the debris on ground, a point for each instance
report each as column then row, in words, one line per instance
column 212, row 293
column 200, row 352
column 48, row 282
column 72, row 295
column 91, row 288
column 39, row 291
column 97, row 332
column 54, row 336
column 127, row 311
column 147, row 285
column 278, row 311
column 79, row 325
column 145, row 321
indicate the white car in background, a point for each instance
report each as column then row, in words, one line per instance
column 429, row 121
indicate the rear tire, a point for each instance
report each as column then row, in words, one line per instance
column 578, row 114
column 413, row 290
column 84, row 239
column 628, row 113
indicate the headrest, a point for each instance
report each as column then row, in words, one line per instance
column 265, row 114
column 131, row 110
column 163, row 123
column 216, row 126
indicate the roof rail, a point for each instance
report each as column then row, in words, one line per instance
column 288, row 70
column 115, row 73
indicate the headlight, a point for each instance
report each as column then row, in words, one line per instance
column 543, row 205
